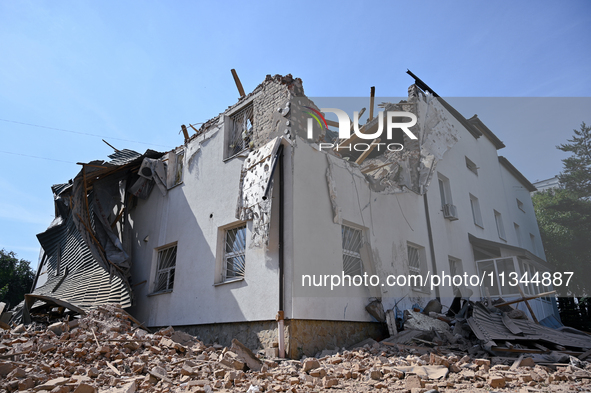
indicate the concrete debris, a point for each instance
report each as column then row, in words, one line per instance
column 102, row 352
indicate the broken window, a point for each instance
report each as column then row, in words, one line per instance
column 240, row 137
column 234, row 252
column 352, row 242
column 166, row 267
column 471, row 166
column 500, row 227
column 476, row 216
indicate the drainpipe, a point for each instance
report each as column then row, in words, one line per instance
column 432, row 248
column 281, row 313
column 280, row 317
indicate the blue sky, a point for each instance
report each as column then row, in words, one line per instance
column 136, row 71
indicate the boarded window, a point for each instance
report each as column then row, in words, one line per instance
column 166, row 269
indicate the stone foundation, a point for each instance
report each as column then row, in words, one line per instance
column 302, row 337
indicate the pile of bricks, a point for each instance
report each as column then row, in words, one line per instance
column 103, row 352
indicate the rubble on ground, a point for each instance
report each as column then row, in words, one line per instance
column 104, row 352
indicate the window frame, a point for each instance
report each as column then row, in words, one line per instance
column 476, row 213
column 159, row 270
column 351, row 255
column 444, row 190
column 471, row 165
column 421, row 269
column 229, row 129
column 222, row 270
column 500, row 226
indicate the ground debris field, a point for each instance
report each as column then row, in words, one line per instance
column 105, row 351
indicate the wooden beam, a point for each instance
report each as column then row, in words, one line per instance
column 332, row 123
column 111, row 146
column 191, row 125
column 523, row 299
column 238, row 84
column 348, row 141
column 531, row 311
column 366, row 153
column 118, row 217
column 584, row 355
column 185, row 132
column 371, row 99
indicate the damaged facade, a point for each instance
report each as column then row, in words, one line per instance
column 249, row 205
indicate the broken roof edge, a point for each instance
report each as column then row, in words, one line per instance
column 518, row 175
column 475, row 120
column 287, row 80
column 522, row 251
column 476, row 133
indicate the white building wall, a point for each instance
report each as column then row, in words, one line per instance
column 193, row 212
column 191, row 215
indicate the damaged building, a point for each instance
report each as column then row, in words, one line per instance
column 218, row 236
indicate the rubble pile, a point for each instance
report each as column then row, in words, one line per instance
column 103, row 351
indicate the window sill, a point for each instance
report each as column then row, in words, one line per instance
column 217, row 284
column 159, row 293
column 479, row 226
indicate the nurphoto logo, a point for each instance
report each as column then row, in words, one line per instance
column 345, row 129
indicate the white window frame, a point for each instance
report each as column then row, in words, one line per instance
column 496, row 289
column 237, row 253
column 166, row 257
column 476, row 214
column 500, row 226
column 352, row 242
column 417, row 264
column 444, row 190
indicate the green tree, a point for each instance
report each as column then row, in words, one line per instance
column 16, row 278
column 565, row 226
column 576, row 175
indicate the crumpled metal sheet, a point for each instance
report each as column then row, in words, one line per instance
column 85, row 255
column 489, row 326
column 254, row 178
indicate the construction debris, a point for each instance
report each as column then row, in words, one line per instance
column 102, row 351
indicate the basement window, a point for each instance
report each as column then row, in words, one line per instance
column 240, row 132
column 352, row 242
column 166, row 268
column 234, row 253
